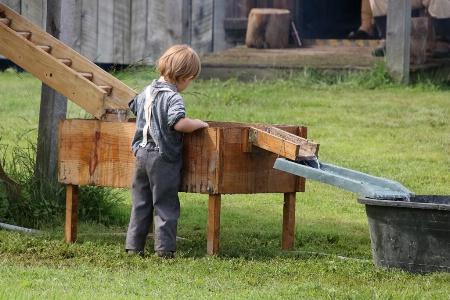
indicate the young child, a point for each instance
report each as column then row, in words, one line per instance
column 157, row 145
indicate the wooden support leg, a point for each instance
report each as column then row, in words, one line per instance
column 287, row 242
column 213, row 224
column 71, row 213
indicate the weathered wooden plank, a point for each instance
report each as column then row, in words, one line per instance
column 96, row 153
column 122, row 32
column 105, row 36
column 35, row 11
column 245, row 173
column 89, row 29
column 241, row 172
column 308, row 148
column 398, row 39
column 186, row 22
column 76, row 26
column 201, row 162
column 283, row 144
column 202, row 26
column 138, row 30
column 13, row 4
column 228, row 8
column 162, row 31
column 77, row 151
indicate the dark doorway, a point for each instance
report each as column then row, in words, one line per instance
column 328, row 19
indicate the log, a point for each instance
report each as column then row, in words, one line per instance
column 268, row 28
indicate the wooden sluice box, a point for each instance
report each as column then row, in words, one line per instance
column 226, row 158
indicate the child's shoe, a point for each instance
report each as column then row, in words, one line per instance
column 165, row 254
column 135, row 252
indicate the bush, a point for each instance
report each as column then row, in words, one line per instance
column 29, row 206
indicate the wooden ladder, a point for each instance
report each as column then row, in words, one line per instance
column 62, row 68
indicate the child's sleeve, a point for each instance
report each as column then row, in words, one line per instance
column 134, row 104
column 176, row 111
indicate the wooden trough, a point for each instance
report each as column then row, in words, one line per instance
column 226, row 158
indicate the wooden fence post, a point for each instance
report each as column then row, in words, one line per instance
column 398, row 39
column 53, row 105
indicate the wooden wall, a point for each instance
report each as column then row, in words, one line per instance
column 128, row 31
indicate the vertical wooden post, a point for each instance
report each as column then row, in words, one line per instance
column 213, row 224
column 186, row 21
column 219, row 14
column 398, row 39
column 71, row 213
column 53, row 105
column 287, row 242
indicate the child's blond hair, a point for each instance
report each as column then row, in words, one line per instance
column 179, row 62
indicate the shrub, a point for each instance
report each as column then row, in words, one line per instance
column 27, row 205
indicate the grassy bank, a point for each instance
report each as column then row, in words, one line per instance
column 363, row 123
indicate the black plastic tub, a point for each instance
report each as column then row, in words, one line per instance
column 413, row 236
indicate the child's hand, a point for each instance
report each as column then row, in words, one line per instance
column 189, row 125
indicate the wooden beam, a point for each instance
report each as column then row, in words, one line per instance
column 398, row 39
column 213, row 224
column 56, row 75
column 283, row 143
column 287, row 241
column 121, row 93
column 71, row 213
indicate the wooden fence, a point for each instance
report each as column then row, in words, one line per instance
column 128, row 31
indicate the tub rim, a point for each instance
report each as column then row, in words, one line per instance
column 405, row 204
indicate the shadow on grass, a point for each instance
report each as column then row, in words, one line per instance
column 245, row 233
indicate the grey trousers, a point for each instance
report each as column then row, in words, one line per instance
column 154, row 192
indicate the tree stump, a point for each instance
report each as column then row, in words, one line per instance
column 268, row 28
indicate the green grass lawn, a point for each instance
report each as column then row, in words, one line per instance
column 401, row 133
